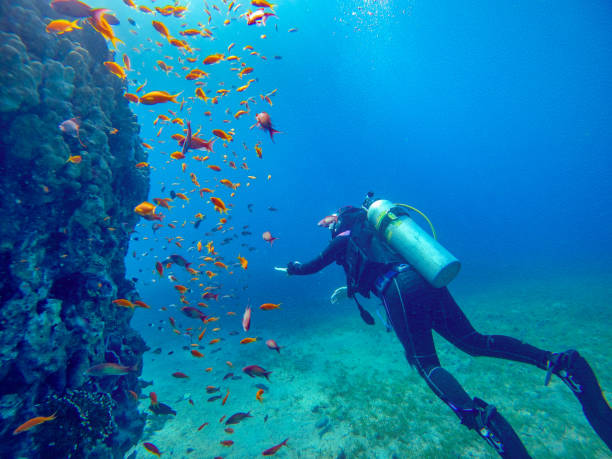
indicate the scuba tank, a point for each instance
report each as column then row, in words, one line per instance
column 436, row 264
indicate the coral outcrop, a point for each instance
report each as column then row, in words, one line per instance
column 63, row 240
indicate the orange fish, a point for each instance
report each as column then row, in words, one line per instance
column 115, row 69
column 124, row 303
column 223, row 135
column 33, row 422
column 142, row 304
column 181, row 288
column 225, row 398
column 162, row 29
column 269, row 306
column 220, row 264
column 61, row 26
column 131, row 97
column 214, row 341
column 214, row 168
column 196, row 353
column 213, row 59
column 219, row 204
column 76, row 159
column 145, row 208
column 158, row 97
column 259, row 394
column 248, row 340
column 182, row 196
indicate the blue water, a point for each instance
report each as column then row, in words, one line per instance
column 492, row 118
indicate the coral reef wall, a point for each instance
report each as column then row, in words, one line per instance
column 63, row 239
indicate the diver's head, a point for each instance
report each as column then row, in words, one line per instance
column 335, row 221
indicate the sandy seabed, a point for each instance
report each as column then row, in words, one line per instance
column 340, row 388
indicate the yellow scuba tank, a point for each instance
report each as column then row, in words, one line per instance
column 436, row 264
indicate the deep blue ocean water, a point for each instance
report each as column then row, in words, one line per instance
column 493, row 119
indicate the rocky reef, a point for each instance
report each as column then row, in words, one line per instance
column 63, row 239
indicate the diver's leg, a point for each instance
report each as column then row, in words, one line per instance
column 570, row 366
column 450, row 322
column 576, row 372
column 411, row 321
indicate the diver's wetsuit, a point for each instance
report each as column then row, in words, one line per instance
column 415, row 308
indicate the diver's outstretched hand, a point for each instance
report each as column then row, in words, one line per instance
column 276, row 268
column 339, row 294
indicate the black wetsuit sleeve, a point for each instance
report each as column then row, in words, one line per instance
column 331, row 253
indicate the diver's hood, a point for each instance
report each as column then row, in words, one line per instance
column 347, row 217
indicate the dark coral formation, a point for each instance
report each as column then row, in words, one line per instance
column 65, row 230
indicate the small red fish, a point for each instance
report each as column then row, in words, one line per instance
column 180, row 375
column 160, row 268
column 274, row 449
column 227, row 442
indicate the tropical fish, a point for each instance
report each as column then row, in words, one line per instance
column 158, row 97
column 115, row 69
column 256, row 370
column 274, row 449
column 246, row 319
column 267, row 236
column 194, row 313
column 150, row 447
column 61, row 26
column 196, row 353
column 258, row 395
column 180, row 375
column 145, row 208
column 123, row 303
column 237, row 417
column 71, row 127
column 33, row 422
column 162, row 29
column 248, row 340
column 227, row 442
column 213, row 59
column 243, row 262
column 179, row 260
column 110, row 369
column 264, row 122
column 219, row 205
column 161, row 408
column 257, row 17
column 269, row 306
column 272, row 345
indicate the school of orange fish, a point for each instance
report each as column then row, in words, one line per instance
column 193, row 149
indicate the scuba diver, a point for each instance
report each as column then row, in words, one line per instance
column 384, row 252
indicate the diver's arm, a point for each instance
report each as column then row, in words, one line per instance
column 325, row 258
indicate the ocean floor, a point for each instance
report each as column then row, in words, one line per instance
column 339, row 386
